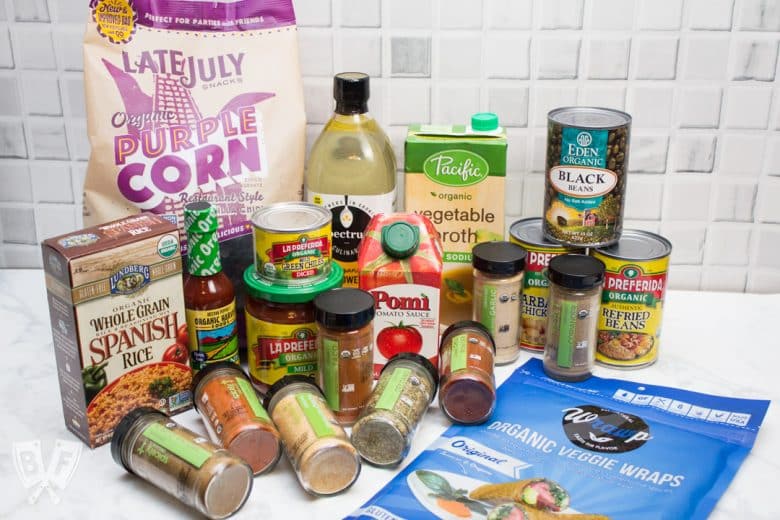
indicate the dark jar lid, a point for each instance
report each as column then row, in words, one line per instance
column 504, row 258
column 287, row 381
column 464, row 326
column 123, row 428
column 344, row 309
column 351, row 91
column 575, row 271
column 400, row 239
column 420, row 360
column 211, row 367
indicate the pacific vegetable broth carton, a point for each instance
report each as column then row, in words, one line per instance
column 117, row 317
column 455, row 177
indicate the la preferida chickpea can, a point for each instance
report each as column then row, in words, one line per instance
column 527, row 233
column 585, row 186
column 632, row 301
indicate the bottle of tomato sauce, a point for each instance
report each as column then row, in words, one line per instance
column 209, row 297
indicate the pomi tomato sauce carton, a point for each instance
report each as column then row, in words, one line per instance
column 400, row 264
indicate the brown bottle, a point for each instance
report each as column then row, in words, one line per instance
column 209, row 297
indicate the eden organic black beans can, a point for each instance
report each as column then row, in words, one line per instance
column 587, row 162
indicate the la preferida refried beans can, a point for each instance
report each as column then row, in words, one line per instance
column 585, row 186
column 527, row 233
column 632, row 302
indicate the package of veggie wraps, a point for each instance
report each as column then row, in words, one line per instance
column 604, row 448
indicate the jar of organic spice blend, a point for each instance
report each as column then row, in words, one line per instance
column 345, row 350
column 498, row 280
column 383, row 433
column 572, row 318
column 234, row 416
column 317, row 446
column 467, row 392
column 180, row 462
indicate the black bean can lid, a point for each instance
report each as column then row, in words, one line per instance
column 503, row 258
column 211, row 367
column 459, row 326
column 122, row 429
column 286, row 381
column 344, row 308
column 574, row 271
column 420, row 360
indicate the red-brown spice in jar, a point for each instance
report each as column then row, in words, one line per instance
column 467, row 391
column 234, row 416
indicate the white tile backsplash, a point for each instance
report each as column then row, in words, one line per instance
column 698, row 77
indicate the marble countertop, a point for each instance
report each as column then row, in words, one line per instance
column 716, row 343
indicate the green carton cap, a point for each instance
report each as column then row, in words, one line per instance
column 400, row 240
column 484, row 122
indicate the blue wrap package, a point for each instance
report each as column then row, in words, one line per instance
column 597, row 449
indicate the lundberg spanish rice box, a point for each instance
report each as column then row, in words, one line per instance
column 455, row 177
column 117, row 317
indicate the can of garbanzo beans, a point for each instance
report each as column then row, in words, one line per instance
column 632, row 302
column 292, row 243
column 527, row 233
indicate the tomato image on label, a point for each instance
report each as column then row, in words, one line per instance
column 398, row 338
column 177, row 353
column 182, row 335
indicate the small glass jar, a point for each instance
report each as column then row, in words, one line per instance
column 345, row 350
column 234, row 416
column 316, row 445
column 467, row 392
column 383, row 433
column 498, row 281
column 180, row 462
column 281, row 333
column 572, row 316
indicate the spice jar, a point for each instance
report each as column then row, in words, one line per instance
column 383, row 433
column 572, row 318
column 498, row 280
column 345, row 350
column 467, row 394
column 234, row 416
column 281, row 333
column 317, row 446
column 180, row 462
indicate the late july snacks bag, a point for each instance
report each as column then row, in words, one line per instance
column 190, row 100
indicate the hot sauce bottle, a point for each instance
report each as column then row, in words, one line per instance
column 209, row 297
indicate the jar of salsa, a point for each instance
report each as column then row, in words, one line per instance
column 281, row 331
column 467, row 394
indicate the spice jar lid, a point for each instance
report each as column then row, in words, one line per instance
column 575, row 271
column 258, row 287
column 400, row 239
column 122, row 429
column 503, row 258
column 459, row 326
column 211, row 367
column 420, row 360
column 287, row 381
column 344, row 308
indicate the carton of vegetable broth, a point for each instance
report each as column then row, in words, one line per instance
column 454, row 175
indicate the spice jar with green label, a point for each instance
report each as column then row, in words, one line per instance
column 467, row 394
column 234, row 416
column 383, row 433
column 316, row 445
column 180, row 462
column 572, row 317
column 345, row 350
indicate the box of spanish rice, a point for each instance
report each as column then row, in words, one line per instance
column 117, row 317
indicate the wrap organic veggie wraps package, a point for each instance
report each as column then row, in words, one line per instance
column 190, row 100
column 604, row 448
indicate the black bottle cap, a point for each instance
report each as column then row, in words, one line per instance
column 574, row 271
column 344, row 308
column 196, row 380
column 351, row 92
column 121, row 430
column 420, row 360
column 458, row 326
column 285, row 381
column 503, row 258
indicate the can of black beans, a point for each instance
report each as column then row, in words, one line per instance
column 585, row 186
